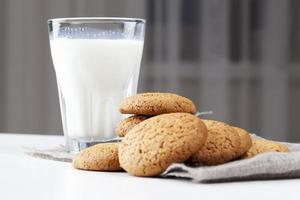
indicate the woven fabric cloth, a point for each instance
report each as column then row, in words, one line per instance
column 264, row 166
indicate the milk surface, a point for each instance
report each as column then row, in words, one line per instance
column 93, row 76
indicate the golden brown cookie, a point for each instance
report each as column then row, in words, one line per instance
column 127, row 124
column 246, row 141
column 262, row 146
column 222, row 145
column 154, row 144
column 156, row 103
column 100, row 157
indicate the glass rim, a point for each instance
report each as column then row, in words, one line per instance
column 95, row 19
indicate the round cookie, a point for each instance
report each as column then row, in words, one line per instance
column 222, row 145
column 262, row 146
column 100, row 157
column 154, row 144
column 156, row 103
column 246, row 141
column 127, row 124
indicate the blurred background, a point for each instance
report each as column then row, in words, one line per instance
column 239, row 58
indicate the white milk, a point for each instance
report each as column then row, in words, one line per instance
column 93, row 76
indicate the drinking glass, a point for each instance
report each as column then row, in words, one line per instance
column 97, row 64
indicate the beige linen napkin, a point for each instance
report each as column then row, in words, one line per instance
column 264, row 166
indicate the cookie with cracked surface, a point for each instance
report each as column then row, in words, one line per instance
column 127, row 124
column 246, row 141
column 222, row 145
column 154, row 144
column 263, row 146
column 100, row 157
column 156, row 103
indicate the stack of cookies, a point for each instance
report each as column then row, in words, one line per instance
column 162, row 130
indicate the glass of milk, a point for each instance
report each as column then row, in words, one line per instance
column 97, row 64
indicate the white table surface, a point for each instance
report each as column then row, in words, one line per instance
column 24, row 177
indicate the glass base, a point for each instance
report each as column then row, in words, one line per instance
column 76, row 145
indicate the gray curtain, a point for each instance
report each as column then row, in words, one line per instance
column 239, row 58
